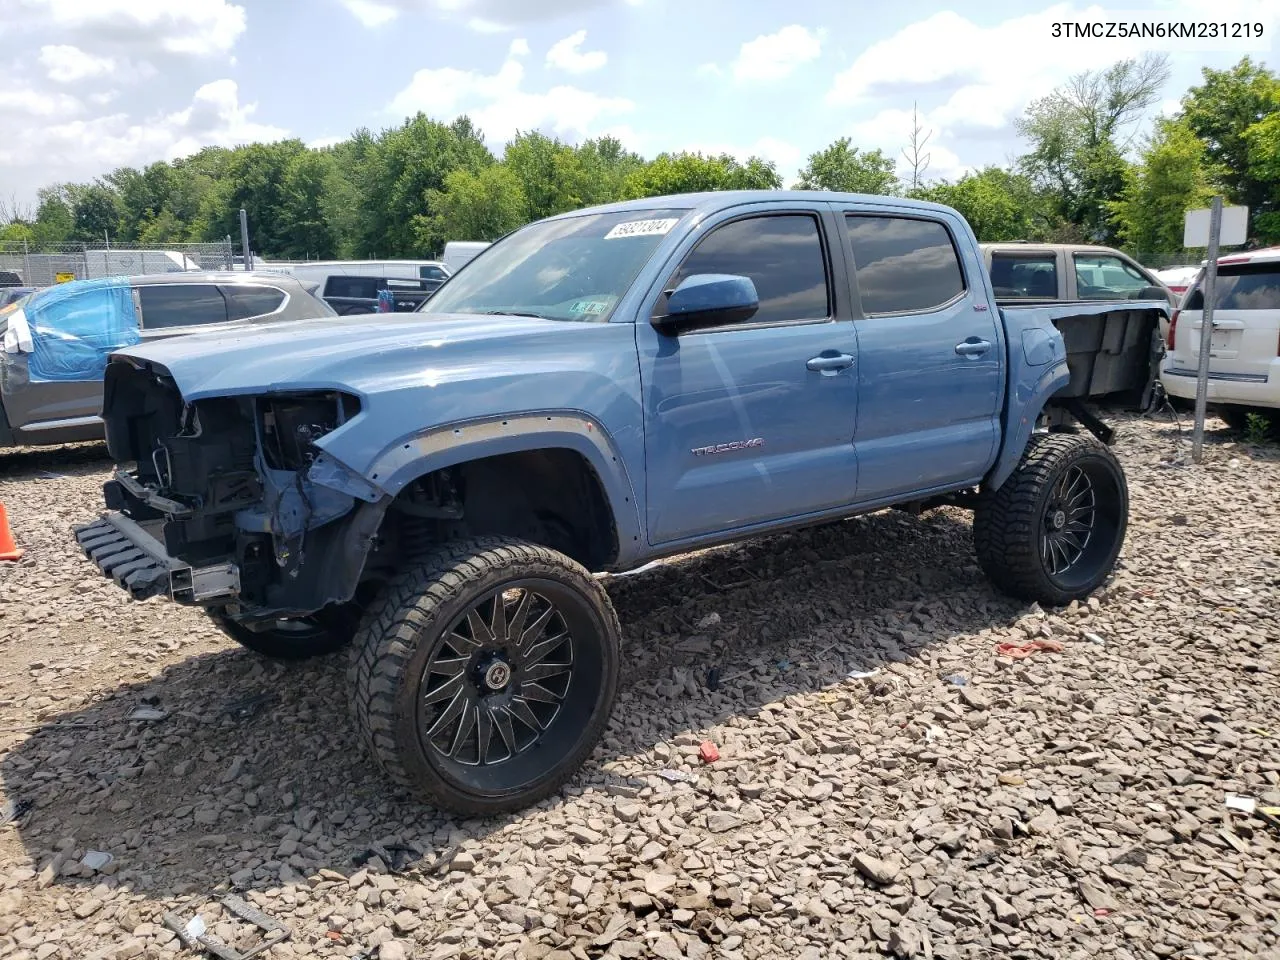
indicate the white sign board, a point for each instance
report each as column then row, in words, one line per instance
column 1235, row 227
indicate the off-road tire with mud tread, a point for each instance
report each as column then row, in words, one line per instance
column 409, row 613
column 1007, row 522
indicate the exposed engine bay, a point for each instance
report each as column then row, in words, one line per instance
column 235, row 489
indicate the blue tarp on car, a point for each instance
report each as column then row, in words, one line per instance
column 75, row 325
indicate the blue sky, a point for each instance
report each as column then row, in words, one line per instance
column 94, row 84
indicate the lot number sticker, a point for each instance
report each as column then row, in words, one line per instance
column 641, row 228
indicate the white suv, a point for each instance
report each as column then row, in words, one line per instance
column 1244, row 361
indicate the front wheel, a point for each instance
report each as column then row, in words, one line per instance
column 1053, row 530
column 486, row 674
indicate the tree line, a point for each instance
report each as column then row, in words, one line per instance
column 405, row 191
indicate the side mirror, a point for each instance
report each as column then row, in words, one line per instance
column 1153, row 293
column 708, row 300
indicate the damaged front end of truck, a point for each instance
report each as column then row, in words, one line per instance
column 228, row 502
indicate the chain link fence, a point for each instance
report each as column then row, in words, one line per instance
column 41, row 265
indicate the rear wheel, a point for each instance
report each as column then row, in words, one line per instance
column 486, row 674
column 300, row 638
column 1053, row 531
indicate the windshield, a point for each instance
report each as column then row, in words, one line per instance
column 572, row 269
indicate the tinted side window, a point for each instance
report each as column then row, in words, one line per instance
column 181, row 305
column 1103, row 277
column 363, row 287
column 903, row 265
column 781, row 254
column 1020, row 276
column 1246, row 286
column 245, row 302
column 431, row 273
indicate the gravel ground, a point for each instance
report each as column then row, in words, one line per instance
column 1069, row 805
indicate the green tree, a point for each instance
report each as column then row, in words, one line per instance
column 998, row 204
column 341, row 197
column 608, row 165
column 1170, row 178
column 1263, row 142
column 254, row 178
column 845, row 168
column 1078, row 135
column 54, row 223
column 1222, row 111
column 305, row 228
column 473, row 206
column 552, row 176
column 95, row 210
column 671, row 173
column 400, row 166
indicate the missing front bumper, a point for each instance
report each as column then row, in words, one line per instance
column 136, row 560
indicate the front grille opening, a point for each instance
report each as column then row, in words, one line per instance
column 291, row 425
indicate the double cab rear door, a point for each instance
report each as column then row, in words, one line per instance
column 872, row 371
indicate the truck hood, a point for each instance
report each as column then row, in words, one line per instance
column 364, row 356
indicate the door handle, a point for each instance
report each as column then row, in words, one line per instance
column 973, row 347
column 830, row 364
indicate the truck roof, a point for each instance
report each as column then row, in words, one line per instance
column 1035, row 245
column 712, row 201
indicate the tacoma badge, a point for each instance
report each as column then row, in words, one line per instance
column 726, row 447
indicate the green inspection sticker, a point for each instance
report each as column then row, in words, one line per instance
column 588, row 307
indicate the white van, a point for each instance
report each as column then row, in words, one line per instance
column 457, row 253
column 113, row 263
column 318, row 271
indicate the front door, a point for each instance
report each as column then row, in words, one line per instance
column 751, row 423
column 930, row 361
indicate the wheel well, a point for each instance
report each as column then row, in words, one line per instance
column 552, row 497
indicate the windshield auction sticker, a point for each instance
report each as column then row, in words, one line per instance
column 641, row 228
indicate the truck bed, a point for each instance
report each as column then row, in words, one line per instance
column 1113, row 348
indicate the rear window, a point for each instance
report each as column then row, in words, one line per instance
column 181, row 305
column 432, row 273
column 903, row 265
column 1243, row 286
column 364, row 288
column 1023, row 276
column 244, row 302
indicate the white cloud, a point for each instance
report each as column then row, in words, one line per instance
column 67, row 64
column 74, row 147
column 370, row 13
column 483, row 16
column 519, row 48
column 708, row 70
column 568, row 56
column 321, row 142
column 189, row 27
column 1005, row 65
column 29, row 102
column 777, row 55
column 500, row 106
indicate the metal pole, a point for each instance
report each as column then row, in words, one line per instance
column 106, row 238
column 244, row 239
column 26, row 263
column 1206, row 329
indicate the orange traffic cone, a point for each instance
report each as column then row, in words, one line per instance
column 8, row 549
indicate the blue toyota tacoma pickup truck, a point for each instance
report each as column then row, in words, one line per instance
column 594, row 391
